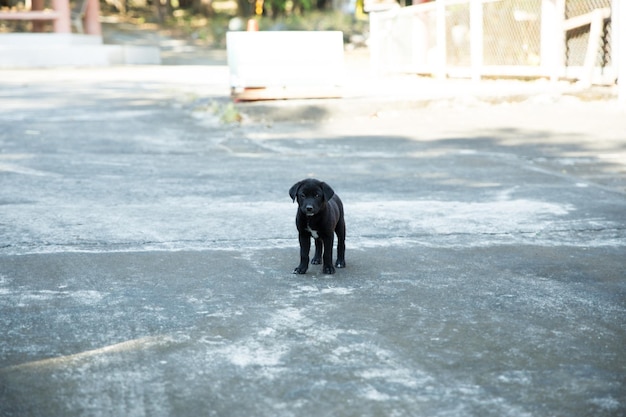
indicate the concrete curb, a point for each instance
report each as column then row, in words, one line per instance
column 317, row 110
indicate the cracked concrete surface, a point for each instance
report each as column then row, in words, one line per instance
column 146, row 253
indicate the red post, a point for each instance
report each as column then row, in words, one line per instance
column 38, row 25
column 62, row 23
column 92, row 18
column 253, row 26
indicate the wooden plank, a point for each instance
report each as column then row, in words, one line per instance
column 35, row 15
column 586, row 19
column 284, row 93
column 593, row 46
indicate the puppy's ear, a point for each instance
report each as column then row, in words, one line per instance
column 293, row 191
column 328, row 192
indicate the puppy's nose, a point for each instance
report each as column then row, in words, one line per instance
column 309, row 209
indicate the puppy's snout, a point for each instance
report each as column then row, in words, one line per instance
column 309, row 208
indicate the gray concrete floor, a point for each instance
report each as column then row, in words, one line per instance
column 146, row 250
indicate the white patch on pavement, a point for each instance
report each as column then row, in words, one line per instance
column 173, row 225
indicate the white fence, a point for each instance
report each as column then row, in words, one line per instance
column 521, row 38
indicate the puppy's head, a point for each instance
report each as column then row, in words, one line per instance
column 312, row 195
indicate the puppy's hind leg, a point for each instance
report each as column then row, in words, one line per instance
column 317, row 258
column 340, row 230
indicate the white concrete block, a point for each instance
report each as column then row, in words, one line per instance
column 285, row 59
column 28, row 50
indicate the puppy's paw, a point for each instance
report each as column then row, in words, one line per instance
column 300, row 269
column 316, row 261
column 329, row 269
column 340, row 263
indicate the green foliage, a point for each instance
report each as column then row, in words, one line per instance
column 212, row 31
column 229, row 114
column 313, row 20
column 184, row 21
column 224, row 112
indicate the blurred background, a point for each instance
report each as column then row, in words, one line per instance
column 501, row 38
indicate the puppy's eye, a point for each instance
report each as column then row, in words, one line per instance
column 317, row 196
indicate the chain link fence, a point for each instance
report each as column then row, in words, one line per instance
column 512, row 32
column 578, row 39
column 515, row 38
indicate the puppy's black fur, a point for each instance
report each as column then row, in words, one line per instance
column 320, row 215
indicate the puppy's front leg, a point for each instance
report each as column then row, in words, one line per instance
column 328, row 255
column 341, row 243
column 317, row 258
column 305, row 247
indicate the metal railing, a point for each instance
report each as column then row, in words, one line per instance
column 476, row 38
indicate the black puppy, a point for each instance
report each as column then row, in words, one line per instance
column 320, row 214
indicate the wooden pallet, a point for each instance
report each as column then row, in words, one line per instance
column 284, row 93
